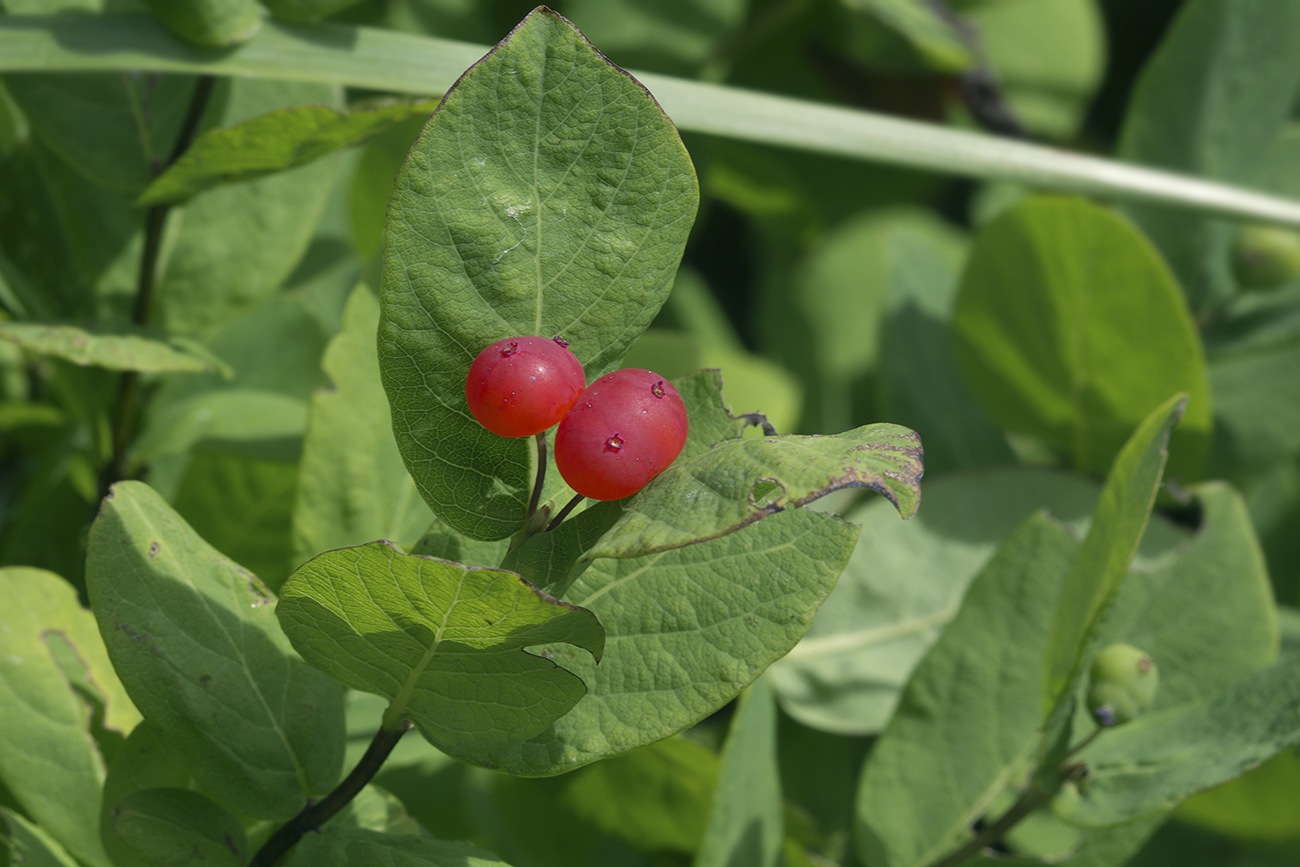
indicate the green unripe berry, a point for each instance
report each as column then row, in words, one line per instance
column 1124, row 683
column 1265, row 257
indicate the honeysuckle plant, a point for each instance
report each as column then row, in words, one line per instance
column 332, row 593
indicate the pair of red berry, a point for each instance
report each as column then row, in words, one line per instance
column 614, row 436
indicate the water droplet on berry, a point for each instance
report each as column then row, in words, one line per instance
column 510, row 349
column 561, row 341
column 614, row 443
column 657, row 389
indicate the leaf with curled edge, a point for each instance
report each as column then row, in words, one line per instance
column 444, row 643
column 739, row 482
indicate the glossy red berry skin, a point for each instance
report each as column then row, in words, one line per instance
column 627, row 427
column 522, row 386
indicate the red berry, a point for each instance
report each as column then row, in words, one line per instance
column 521, row 386
column 624, row 430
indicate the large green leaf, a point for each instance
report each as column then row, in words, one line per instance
column 1210, row 102
column 443, row 642
column 745, row 820
column 1152, row 763
column 149, row 759
column 194, row 639
column 738, row 483
column 1118, row 524
column 352, row 484
column 114, row 349
column 271, row 143
column 905, row 583
column 1069, row 327
column 548, row 195
column 342, row 847
column 1255, row 806
column 180, row 827
column 48, row 759
column 971, row 715
column 686, row 631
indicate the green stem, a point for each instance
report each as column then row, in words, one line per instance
column 126, row 406
column 315, row 815
column 1031, row 800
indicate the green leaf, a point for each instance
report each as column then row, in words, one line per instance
column 552, row 560
column 443, row 543
column 686, row 631
column 223, row 419
column 905, row 583
column 377, row 810
column 1256, row 403
column 306, row 10
column 401, row 63
column 29, row 845
column 1155, row 761
column 1117, row 527
column 935, row 38
column 745, row 822
column 217, row 23
column 352, row 484
column 118, row 157
column 1210, row 101
column 243, row 507
column 580, row 217
column 656, row 798
column 1254, row 806
column 194, row 639
column 238, row 244
column 1069, row 327
column 47, row 757
column 919, row 384
column 677, row 36
column 342, row 847
column 443, row 642
column 985, row 672
column 149, row 759
column 178, row 827
column 112, row 348
column 271, row 143
column 738, row 483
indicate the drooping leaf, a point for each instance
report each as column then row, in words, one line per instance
column 352, row 484
column 48, row 759
column 985, row 672
column 548, row 195
column 341, row 847
column 905, row 583
column 114, row 349
column 270, row 143
column 686, row 631
column 180, row 827
column 745, row 824
column 443, row 642
column 1150, row 764
column 1117, row 527
column 1069, row 327
column 738, row 483
column 216, row 23
column 237, row 244
column 1192, row 112
column 194, row 639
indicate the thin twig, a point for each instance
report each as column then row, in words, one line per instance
column 564, row 513
column 126, row 406
column 1030, row 801
column 317, row 814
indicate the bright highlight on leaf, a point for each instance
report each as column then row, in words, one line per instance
column 444, row 643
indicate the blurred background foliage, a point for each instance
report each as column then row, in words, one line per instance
column 831, row 293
